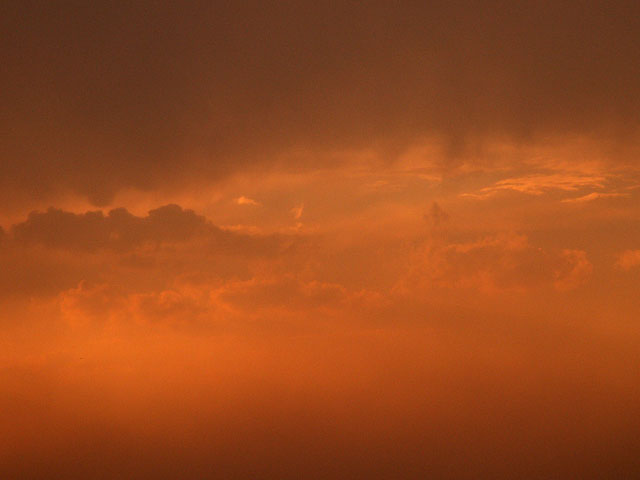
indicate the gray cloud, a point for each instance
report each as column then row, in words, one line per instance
column 54, row 250
column 120, row 230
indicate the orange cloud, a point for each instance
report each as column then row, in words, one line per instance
column 539, row 184
column 498, row 263
column 165, row 312
column 629, row 259
column 596, row 196
column 242, row 200
column 297, row 211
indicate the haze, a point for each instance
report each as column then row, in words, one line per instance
column 319, row 240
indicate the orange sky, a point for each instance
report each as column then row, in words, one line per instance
column 326, row 240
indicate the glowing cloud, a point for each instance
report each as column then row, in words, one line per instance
column 242, row 200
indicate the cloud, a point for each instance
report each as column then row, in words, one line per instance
column 108, row 305
column 498, row 263
column 210, row 304
column 628, row 259
column 163, row 345
column 121, row 230
column 285, row 293
column 55, row 250
column 32, row 272
column 96, row 101
column 297, row 211
column 540, row 184
column 596, row 196
column 436, row 216
column 91, row 302
column 242, row 200
column 118, row 229
column 573, row 269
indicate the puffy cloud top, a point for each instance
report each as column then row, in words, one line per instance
column 118, row 229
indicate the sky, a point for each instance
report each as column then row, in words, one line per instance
column 329, row 240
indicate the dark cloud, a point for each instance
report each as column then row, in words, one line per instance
column 120, row 230
column 34, row 272
column 436, row 216
column 99, row 96
column 55, row 250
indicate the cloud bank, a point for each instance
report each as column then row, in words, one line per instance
column 99, row 99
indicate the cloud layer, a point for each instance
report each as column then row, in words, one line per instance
column 319, row 239
column 100, row 99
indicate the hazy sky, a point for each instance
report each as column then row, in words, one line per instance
column 325, row 240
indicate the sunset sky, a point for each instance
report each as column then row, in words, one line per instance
column 319, row 240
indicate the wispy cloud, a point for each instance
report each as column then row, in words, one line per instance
column 242, row 200
column 540, row 184
column 629, row 259
column 596, row 196
column 297, row 211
